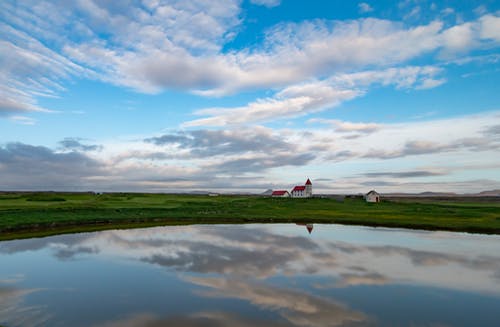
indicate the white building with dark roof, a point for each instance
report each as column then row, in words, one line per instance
column 372, row 196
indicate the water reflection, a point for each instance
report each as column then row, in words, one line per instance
column 298, row 308
column 250, row 275
column 309, row 227
column 12, row 306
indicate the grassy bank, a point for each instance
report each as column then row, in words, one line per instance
column 35, row 214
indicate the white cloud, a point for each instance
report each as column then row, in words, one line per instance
column 266, row 3
column 364, row 7
column 448, row 11
column 460, row 38
column 346, row 127
column 23, row 120
column 72, row 30
column 291, row 102
column 430, row 83
column 402, row 77
column 307, row 98
column 433, row 155
column 480, row 10
column 424, row 137
column 318, row 49
column 490, row 27
column 15, row 101
column 32, row 70
column 153, row 46
column 413, row 14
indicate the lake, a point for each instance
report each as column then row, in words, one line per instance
column 252, row 275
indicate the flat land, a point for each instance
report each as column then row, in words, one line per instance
column 39, row 214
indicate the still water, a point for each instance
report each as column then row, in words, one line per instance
column 252, row 275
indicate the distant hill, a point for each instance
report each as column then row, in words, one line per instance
column 489, row 193
column 422, row 194
column 436, row 194
column 267, row 192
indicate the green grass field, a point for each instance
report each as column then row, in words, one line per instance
column 33, row 214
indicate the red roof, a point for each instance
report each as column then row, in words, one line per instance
column 280, row 192
column 309, row 227
column 299, row 188
column 308, row 182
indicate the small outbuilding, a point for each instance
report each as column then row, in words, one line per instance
column 280, row 194
column 372, row 196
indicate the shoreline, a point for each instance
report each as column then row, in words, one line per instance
column 40, row 232
column 43, row 214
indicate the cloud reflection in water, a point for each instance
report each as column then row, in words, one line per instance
column 278, row 270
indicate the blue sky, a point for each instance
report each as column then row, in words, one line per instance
column 231, row 95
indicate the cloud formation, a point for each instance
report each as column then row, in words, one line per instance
column 280, row 272
column 153, row 46
column 348, row 127
column 266, row 3
column 364, row 7
column 307, row 98
column 74, row 143
column 242, row 159
column 248, row 256
column 405, row 174
column 291, row 102
column 206, row 143
column 13, row 306
column 31, row 69
column 299, row 308
column 28, row 167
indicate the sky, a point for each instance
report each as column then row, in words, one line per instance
column 244, row 96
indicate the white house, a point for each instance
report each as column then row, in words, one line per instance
column 280, row 194
column 372, row 196
column 302, row 191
